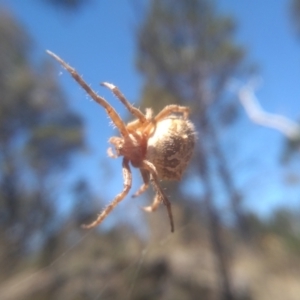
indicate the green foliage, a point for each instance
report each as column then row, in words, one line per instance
column 38, row 137
column 285, row 223
column 295, row 13
column 50, row 145
column 291, row 149
column 183, row 44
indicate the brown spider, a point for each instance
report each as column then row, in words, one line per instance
column 160, row 146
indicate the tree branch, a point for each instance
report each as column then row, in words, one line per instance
column 255, row 112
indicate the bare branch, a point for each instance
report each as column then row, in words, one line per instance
column 255, row 112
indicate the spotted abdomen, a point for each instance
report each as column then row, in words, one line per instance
column 171, row 146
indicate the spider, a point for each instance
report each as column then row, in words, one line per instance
column 161, row 146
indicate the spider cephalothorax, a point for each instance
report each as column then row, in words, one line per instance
column 161, row 146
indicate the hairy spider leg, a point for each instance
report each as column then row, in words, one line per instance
column 133, row 110
column 165, row 112
column 162, row 197
column 157, row 199
column 154, row 205
column 109, row 109
column 146, row 178
column 173, row 108
column 159, row 192
column 127, row 185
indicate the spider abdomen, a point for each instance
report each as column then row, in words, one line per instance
column 170, row 147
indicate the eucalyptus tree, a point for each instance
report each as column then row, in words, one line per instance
column 187, row 55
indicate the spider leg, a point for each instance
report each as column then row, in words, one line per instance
column 127, row 185
column 143, row 188
column 146, row 178
column 154, row 205
column 168, row 110
column 136, row 124
column 173, row 108
column 111, row 153
column 160, row 195
column 109, row 109
column 133, row 110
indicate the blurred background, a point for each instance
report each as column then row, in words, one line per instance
column 236, row 210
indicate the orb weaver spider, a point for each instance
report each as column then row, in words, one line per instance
column 161, row 146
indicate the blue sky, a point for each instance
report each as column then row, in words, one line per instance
column 99, row 42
